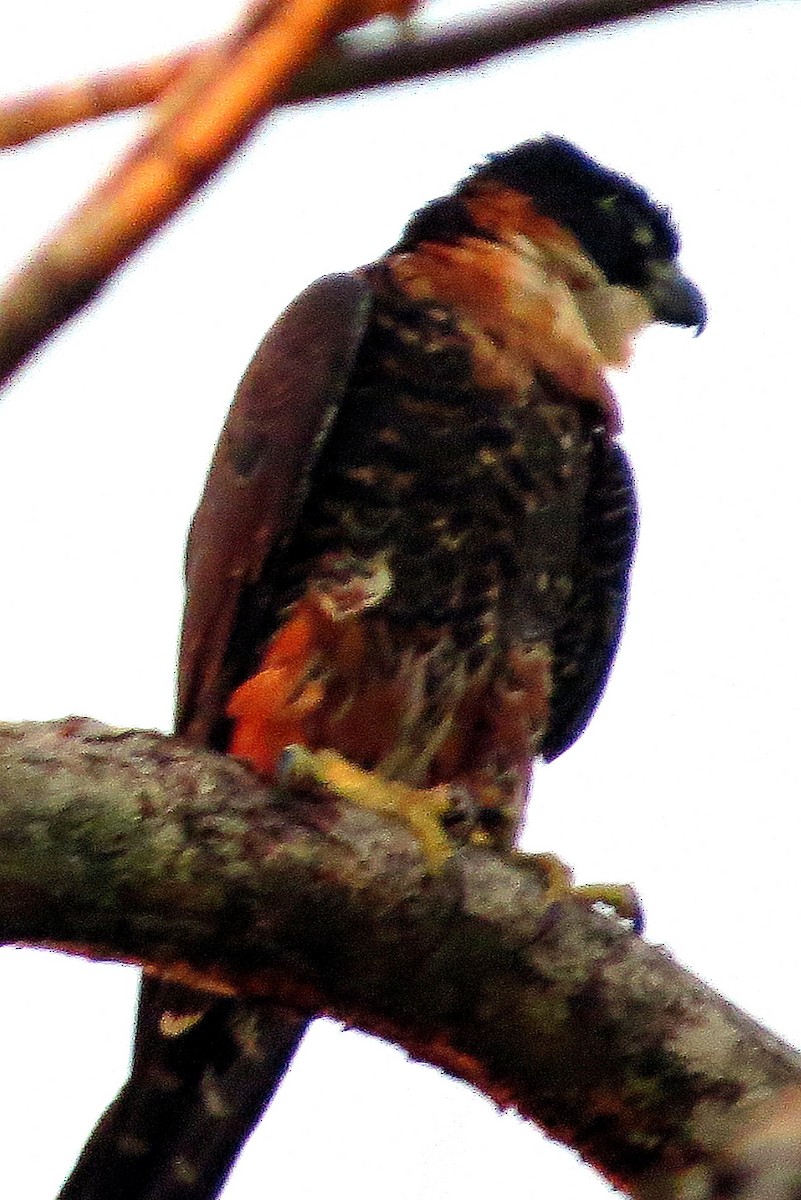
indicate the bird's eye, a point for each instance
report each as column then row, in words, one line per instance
column 642, row 236
column 607, row 204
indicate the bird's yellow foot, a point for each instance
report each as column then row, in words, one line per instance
column 557, row 881
column 422, row 809
column 621, row 898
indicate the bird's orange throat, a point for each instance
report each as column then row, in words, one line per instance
column 526, row 301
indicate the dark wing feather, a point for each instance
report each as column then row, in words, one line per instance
column 281, row 413
column 586, row 644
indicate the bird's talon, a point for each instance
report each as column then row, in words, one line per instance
column 556, row 876
column 421, row 809
column 461, row 815
column 621, row 899
column 296, row 768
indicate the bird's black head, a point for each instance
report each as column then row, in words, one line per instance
column 627, row 235
column 614, row 220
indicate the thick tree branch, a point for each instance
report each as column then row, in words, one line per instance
column 138, row 847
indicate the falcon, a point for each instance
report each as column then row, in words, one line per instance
column 408, row 572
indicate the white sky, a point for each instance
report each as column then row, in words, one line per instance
column 687, row 780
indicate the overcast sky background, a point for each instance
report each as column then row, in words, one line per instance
column 686, row 782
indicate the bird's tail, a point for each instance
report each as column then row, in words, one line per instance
column 197, row 1088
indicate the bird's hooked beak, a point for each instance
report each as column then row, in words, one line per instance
column 673, row 298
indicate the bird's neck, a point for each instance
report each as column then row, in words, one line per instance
column 528, row 301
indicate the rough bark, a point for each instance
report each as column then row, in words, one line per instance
column 137, row 847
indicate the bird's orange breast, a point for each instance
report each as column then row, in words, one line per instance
column 351, row 685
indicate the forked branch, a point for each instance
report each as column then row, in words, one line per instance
column 210, row 98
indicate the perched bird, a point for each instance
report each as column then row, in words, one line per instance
column 411, row 561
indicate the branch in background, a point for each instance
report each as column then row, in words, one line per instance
column 345, row 67
column 211, row 97
column 421, row 51
column 203, row 118
column 58, row 107
column 138, row 847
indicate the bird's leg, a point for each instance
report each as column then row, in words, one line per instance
column 431, row 812
column 622, row 898
column 558, row 884
column 522, row 697
column 422, row 809
column 494, row 821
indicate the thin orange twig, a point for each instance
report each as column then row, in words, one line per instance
column 202, row 119
column 57, row 107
